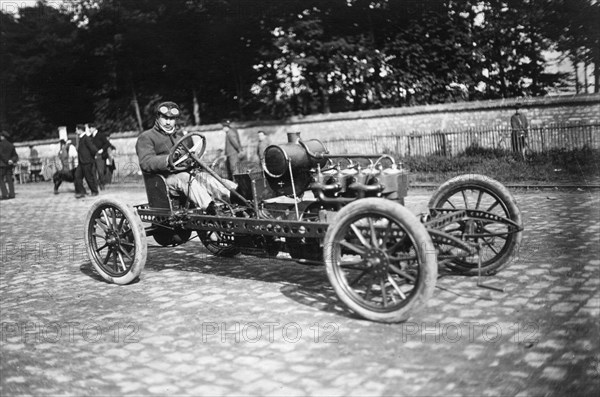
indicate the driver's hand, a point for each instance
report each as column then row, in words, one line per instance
column 189, row 163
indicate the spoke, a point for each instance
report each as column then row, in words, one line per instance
column 368, row 291
column 448, row 201
column 182, row 159
column 402, row 273
column 373, row 234
column 401, row 241
column 125, row 253
column 357, row 279
column 195, row 147
column 391, row 280
column 360, row 236
column 122, row 262
column 114, row 259
column 383, row 293
column 126, row 243
column 121, row 222
column 105, row 218
column 353, row 265
column 502, row 235
column 493, row 206
column 99, row 235
column 403, row 258
column 479, row 199
column 388, row 233
column 108, row 253
column 101, row 248
column 352, row 247
column 125, row 233
column 114, row 218
column 103, row 226
column 491, row 246
column 465, row 199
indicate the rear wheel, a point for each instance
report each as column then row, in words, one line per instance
column 380, row 260
column 218, row 243
column 115, row 241
column 171, row 238
column 499, row 242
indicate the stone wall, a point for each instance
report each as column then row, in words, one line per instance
column 545, row 111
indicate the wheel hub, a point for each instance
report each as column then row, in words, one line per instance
column 112, row 238
column 378, row 261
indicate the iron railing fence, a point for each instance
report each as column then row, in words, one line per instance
column 451, row 143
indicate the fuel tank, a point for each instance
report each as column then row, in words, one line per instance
column 300, row 156
column 297, row 154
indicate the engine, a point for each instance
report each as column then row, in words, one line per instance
column 297, row 166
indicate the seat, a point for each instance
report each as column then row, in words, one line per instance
column 157, row 191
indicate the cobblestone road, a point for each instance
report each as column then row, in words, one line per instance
column 200, row 325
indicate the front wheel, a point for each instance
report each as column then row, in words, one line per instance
column 115, row 241
column 499, row 241
column 380, row 260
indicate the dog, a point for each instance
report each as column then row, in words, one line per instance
column 62, row 176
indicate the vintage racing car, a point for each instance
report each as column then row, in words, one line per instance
column 345, row 211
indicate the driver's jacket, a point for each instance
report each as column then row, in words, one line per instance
column 153, row 147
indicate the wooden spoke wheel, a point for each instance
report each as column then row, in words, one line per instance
column 380, row 260
column 115, row 241
column 499, row 242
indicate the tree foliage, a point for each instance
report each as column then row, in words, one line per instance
column 111, row 61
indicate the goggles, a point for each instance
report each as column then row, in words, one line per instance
column 168, row 111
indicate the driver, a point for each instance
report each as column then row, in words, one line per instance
column 153, row 147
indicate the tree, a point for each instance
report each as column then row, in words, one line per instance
column 43, row 73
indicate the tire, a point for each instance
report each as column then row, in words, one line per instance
column 459, row 192
column 115, row 241
column 394, row 246
column 170, row 238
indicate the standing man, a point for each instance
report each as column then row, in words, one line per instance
column 153, row 147
column 66, row 172
column 518, row 123
column 233, row 148
column 263, row 142
column 8, row 159
column 86, row 152
column 101, row 142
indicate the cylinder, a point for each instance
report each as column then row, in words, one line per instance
column 277, row 157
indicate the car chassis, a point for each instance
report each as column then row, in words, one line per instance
column 344, row 211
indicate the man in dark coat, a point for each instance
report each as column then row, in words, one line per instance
column 519, row 126
column 153, row 147
column 86, row 152
column 263, row 143
column 101, row 141
column 233, row 148
column 8, row 159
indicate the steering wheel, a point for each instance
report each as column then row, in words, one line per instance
column 183, row 155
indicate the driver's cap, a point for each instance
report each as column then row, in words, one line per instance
column 168, row 109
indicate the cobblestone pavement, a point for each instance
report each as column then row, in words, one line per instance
column 200, row 325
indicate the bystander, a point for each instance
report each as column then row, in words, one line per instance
column 8, row 159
